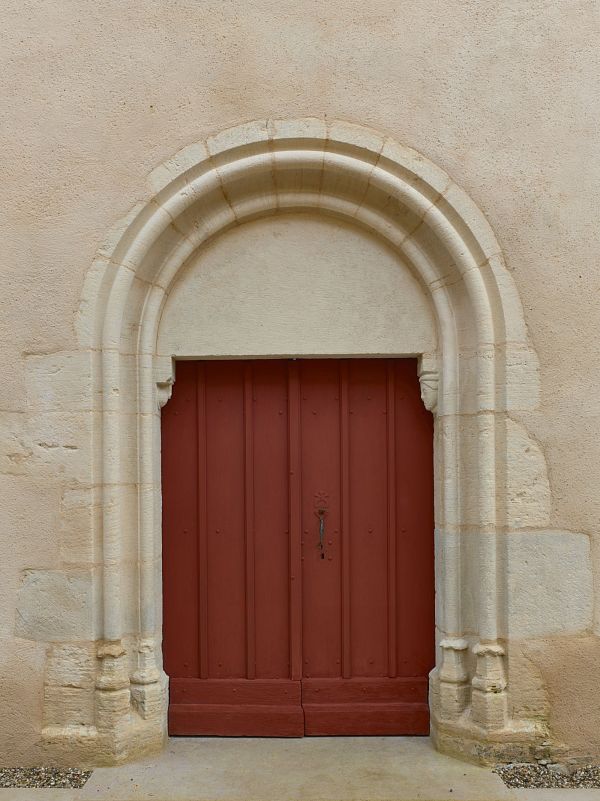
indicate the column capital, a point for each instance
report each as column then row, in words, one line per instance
column 429, row 380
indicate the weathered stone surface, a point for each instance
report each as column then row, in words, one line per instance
column 55, row 605
column 528, row 488
column 528, row 697
column 59, row 381
column 21, row 695
column 549, row 583
column 71, row 666
column 15, row 452
column 61, row 445
column 29, row 513
column 573, row 705
column 68, row 706
column 284, row 770
column 80, row 525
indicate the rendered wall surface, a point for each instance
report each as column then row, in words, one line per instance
column 95, row 97
column 298, row 284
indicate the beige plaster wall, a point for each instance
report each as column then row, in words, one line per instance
column 96, row 94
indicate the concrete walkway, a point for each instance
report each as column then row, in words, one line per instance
column 309, row 769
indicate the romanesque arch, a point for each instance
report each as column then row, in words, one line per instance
column 484, row 368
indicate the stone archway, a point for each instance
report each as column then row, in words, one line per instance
column 483, row 369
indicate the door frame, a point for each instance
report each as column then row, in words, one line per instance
column 219, row 396
column 485, row 369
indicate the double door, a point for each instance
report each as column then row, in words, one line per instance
column 297, row 548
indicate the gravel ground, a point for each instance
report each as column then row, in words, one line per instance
column 548, row 776
column 64, row 778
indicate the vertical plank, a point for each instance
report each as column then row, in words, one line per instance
column 226, row 520
column 271, row 519
column 180, row 527
column 392, row 528
column 249, row 521
column 322, row 575
column 345, row 518
column 295, row 523
column 367, row 534
column 414, row 498
column 202, row 522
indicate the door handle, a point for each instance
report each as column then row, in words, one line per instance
column 321, row 513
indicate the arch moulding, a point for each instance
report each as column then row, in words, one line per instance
column 484, row 368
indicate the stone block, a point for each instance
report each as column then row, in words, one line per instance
column 237, row 137
column 507, row 306
column 12, row 389
column 185, row 159
column 489, row 708
column 527, row 484
column 517, row 477
column 520, row 389
column 71, row 665
column 549, row 583
column 54, row 605
column 306, row 128
column 368, row 140
column 29, row 510
column 80, row 524
column 461, row 210
column 21, row 696
column 28, row 536
column 68, row 706
column 426, row 174
column 15, row 451
column 61, row 445
column 60, row 381
column 528, row 698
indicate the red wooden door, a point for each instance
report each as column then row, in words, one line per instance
column 297, row 548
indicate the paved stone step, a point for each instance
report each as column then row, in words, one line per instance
column 308, row 769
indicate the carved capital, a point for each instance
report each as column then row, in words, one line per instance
column 113, row 673
column 164, row 377
column 429, row 379
column 454, row 653
column 147, row 672
column 489, row 703
column 163, row 393
column 454, row 685
column 490, row 674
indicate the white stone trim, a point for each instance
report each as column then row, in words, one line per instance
column 164, row 378
column 340, row 169
column 429, row 379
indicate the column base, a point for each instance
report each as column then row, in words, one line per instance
column 130, row 722
column 87, row 747
column 463, row 739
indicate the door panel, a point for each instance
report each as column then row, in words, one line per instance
column 298, row 554
column 369, row 596
column 225, row 536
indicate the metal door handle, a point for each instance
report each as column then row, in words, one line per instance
column 321, row 513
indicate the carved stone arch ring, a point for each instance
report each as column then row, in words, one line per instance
column 483, row 363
